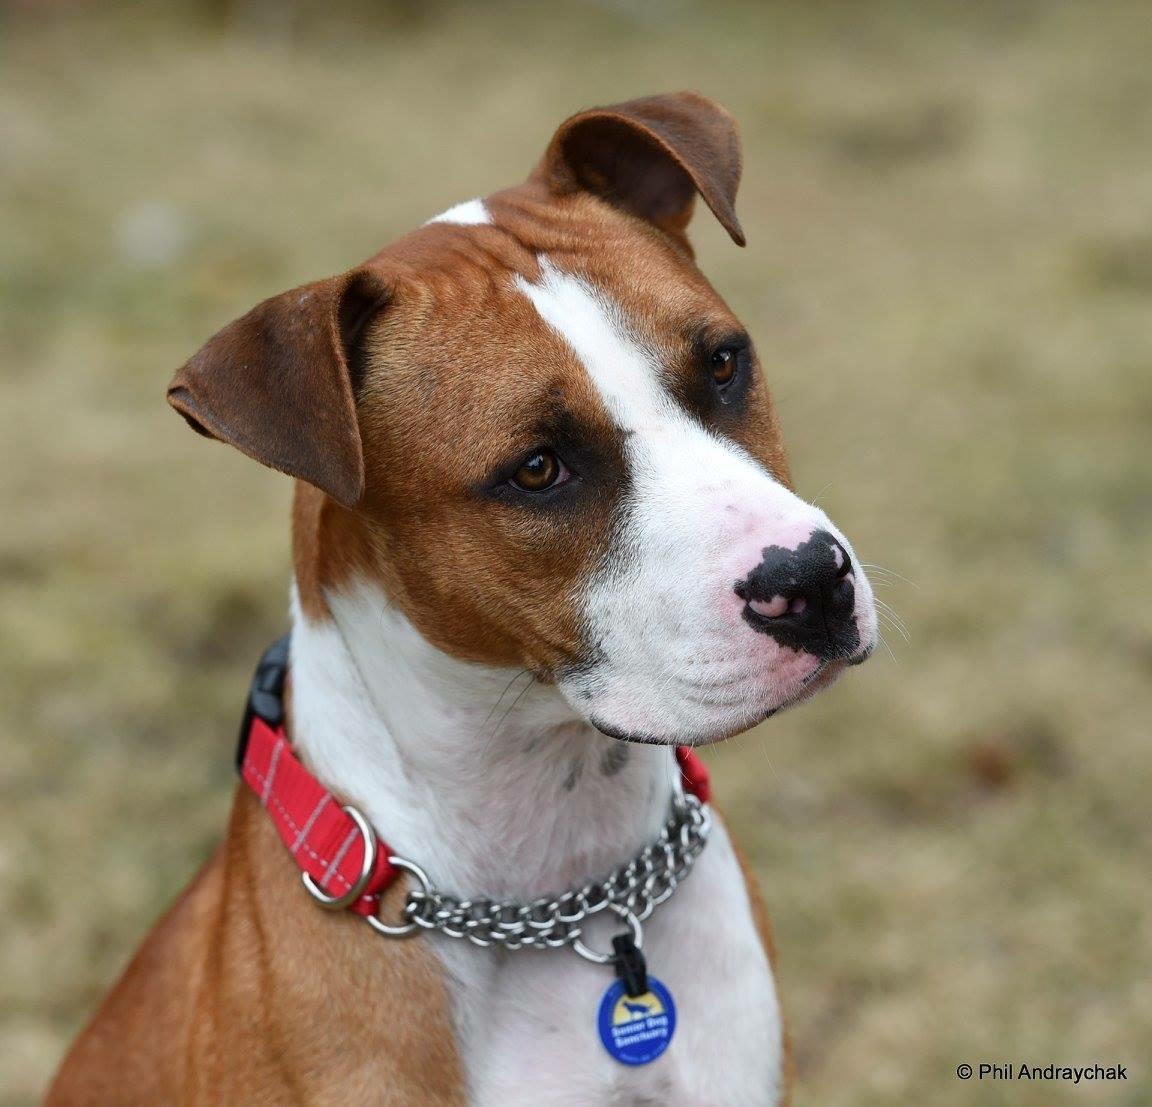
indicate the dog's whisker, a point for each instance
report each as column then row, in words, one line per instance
column 893, row 615
column 871, row 568
column 763, row 744
column 884, row 642
column 511, row 707
column 500, row 699
column 878, row 634
column 816, row 499
column 888, row 622
column 885, row 611
column 896, row 625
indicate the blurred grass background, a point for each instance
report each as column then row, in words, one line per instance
column 949, row 208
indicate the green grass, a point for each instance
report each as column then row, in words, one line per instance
column 949, row 277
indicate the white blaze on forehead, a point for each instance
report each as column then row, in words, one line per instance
column 469, row 213
column 626, row 376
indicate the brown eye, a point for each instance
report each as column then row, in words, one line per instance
column 724, row 365
column 540, row 472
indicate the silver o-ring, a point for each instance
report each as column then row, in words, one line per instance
column 337, row 903
column 404, row 930
column 608, row 958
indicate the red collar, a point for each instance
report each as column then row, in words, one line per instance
column 327, row 843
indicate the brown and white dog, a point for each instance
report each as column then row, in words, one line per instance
column 536, row 458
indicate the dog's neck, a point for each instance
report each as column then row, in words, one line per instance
column 484, row 776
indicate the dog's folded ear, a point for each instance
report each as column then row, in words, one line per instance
column 651, row 157
column 279, row 383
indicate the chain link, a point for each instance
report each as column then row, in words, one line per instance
column 634, row 889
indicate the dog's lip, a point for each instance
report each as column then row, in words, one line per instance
column 823, row 675
column 610, row 731
column 819, row 679
column 816, row 674
column 814, row 682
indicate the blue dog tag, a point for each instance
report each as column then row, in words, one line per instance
column 636, row 1029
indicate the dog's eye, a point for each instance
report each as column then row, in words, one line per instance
column 725, row 364
column 541, row 471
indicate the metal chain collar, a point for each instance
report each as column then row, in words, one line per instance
column 632, row 891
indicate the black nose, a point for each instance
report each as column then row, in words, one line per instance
column 804, row 598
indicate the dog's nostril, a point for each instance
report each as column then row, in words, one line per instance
column 771, row 609
column 843, row 561
column 779, row 606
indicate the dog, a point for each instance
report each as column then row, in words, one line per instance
column 543, row 533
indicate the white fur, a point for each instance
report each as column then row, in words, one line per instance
column 678, row 661
column 466, row 214
column 520, row 806
column 509, row 797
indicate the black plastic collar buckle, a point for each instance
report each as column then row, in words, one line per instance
column 265, row 695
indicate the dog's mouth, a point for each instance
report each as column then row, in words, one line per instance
column 823, row 676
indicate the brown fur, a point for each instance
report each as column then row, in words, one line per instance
column 460, row 371
column 394, row 392
column 246, row 993
column 455, row 375
column 651, row 157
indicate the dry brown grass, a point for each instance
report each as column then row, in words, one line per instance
column 949, row 276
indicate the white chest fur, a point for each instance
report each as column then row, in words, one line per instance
column 535, row 1042
column 519, row 805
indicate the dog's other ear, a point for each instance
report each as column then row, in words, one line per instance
column 651, row 157
column 279, row 383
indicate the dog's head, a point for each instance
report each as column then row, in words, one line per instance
column 540, row 429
